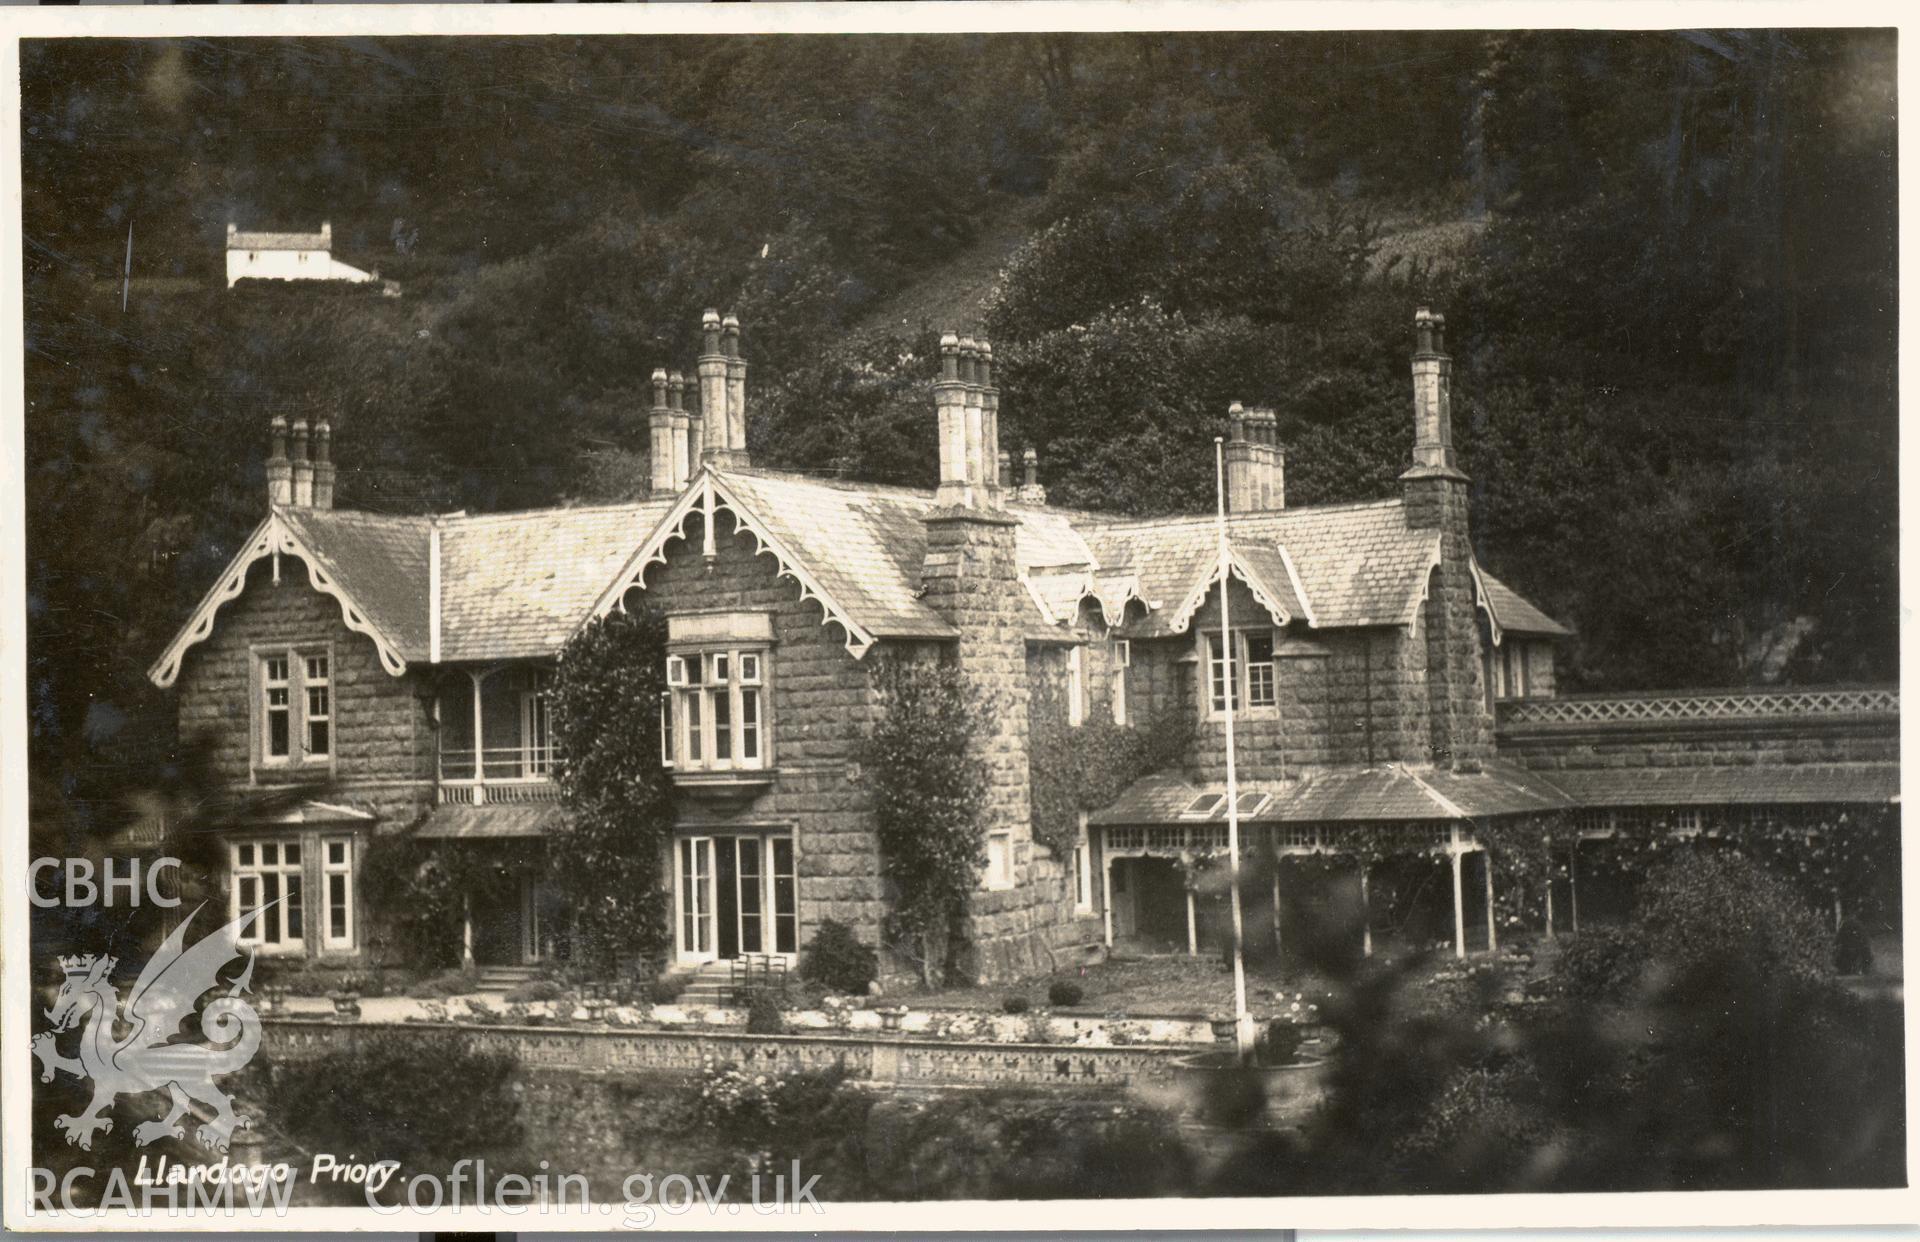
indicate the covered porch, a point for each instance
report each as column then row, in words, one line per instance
column 1387, row 853
column 508, row 916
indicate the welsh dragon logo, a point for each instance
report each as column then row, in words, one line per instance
column 124, row 1049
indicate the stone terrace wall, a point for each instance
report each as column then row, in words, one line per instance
column 894, row 1061
column 1704, row 729
column 382, row 734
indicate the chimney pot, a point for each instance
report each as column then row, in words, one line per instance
column 323, row 467
column 660, row 388
column 302, row 467
column 279, row 469
column 1031, row 460
column 1006, row 468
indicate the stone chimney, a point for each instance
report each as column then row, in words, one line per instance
column 1241, row 493
column 662, row 452
column 1271, row 457
column 1435, row 498
column 711, row 370
column 1031, row 493
column 689, row 431
column 233, row 230
column 736, row 392
column 990, row 454
column 279, row 469
column 323, row 468
column 1006, row 470
column 970, row 576
column 302, row 467
column 326, row 233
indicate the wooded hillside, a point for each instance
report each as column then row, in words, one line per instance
column 1667, row 262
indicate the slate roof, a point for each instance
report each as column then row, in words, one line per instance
column 1358, row 564
column 279, row 241
column 455, row 822
column 1514, row 614
column 1334, row 795
column 380, row 560
column 516, row 585
column 1733, row 786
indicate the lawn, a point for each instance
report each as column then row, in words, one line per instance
column 1140, row 987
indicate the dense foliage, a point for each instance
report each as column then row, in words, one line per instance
column 420, row 892
column 1667, row 260
column 1075, row 768
column 424, row 1098
column 836, row 959
column 605, row 860
column 927, row 783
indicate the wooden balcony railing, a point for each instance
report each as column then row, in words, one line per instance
column 503, row 774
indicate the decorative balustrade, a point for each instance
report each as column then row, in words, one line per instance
column 503, row 774
column 1702, row 707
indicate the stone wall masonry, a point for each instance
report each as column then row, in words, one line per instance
column 821, row 704
column 901, row 1061
column 970, row 575
column 1459, row 724
column 1705, row 744
column 382, row 732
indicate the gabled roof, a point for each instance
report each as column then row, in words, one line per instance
column 1342, row 565
column 516, row 585
column 381, row 561
column 279, row 241
column 332, row 561
column 1512, row 613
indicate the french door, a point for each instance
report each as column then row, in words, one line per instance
column 735, row 896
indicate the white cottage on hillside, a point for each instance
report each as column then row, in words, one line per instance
column 287, row 256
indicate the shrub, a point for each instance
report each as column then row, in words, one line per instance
column 422, row 1098
column 1601, row 963
column 836, row 958
column 1278, row 1044
column 1015, row 1004
column 1707, row 913
column 535, row 990
column 667, row 988
column 763, row 1013
column 1061, row 992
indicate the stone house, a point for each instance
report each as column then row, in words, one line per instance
column 1380, row 679
column 287, row 256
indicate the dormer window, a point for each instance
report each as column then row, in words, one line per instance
column 1249, row 674
column 713, row 715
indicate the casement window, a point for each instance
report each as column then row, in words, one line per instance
column 1119, row 659
column 336, row 878
column 1249, row 674
column 1082, row 871
column 714, row 717
column 999, row 860
column 1510, row 671
column 265, row 872
column 295, row 707
column 1077, row 686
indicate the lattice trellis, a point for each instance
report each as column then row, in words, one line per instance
column 1732, row 705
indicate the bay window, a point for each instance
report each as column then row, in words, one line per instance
column 713, row 716
column 265, row 873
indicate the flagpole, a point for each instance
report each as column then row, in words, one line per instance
column 1242, row 1020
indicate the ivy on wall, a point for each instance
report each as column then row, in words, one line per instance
column 928, row 786
column 605, row 862
column 421, row 889
column 1075, row 768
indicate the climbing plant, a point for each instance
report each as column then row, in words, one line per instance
column 928, row 785
column 420, row 891
column 605, row 860
column 1075, row 768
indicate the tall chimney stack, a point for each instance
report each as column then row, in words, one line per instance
column 279, row 469
column 1031, row 493
column 1242, row 496
column 736, row 392
column 302, row 467
column 662, row 452
column 950, row 413
column 990, row 454
column 1432, row 395
column 689, row 432
column 711, row 367
column 323, row 469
